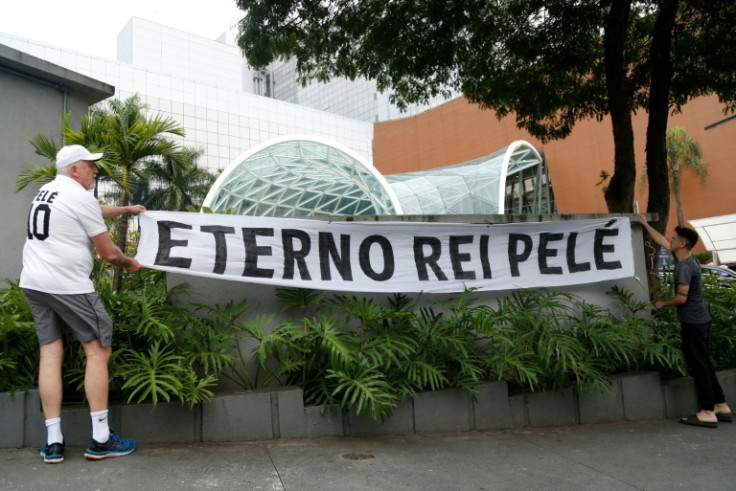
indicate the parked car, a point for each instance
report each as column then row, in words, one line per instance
column 721, row 275
column 724, row 276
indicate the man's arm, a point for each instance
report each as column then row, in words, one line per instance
column 116, row 211
column 112, row 253
column 679, row 298
column 656, row 236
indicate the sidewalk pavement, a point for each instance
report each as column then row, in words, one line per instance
column 641, row 455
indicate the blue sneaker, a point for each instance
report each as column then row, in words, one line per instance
column 113, row 447
column 53, row 453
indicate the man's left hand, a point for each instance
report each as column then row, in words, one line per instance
column 135, row 209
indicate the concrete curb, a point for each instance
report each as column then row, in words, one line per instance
column 280, row 413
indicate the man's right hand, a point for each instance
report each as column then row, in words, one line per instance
column 132, row 265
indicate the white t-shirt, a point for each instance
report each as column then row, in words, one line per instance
column 58, row 254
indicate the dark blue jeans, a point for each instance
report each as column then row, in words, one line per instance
column 695, row 340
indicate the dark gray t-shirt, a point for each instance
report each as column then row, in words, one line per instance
column 695, row 310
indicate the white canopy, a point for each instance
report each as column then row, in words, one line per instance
column 719, row 236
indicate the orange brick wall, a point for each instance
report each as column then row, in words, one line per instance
column 458, row 131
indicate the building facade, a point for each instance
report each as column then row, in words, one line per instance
column 205, row 86
column 228, row 109
column 459, row 131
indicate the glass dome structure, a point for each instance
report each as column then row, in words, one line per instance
column 305, row 176
column 511, row 180
column 301, row 177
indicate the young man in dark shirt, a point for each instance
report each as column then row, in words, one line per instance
column 694, row 317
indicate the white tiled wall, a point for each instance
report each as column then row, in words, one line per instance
column 199, row 83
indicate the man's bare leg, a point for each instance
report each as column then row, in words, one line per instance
column 50, row 386
column 96, row 383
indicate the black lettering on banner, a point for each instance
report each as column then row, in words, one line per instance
column 599, row 248
column 457, row 258
column 364, row 257
column 572, row 265
column 484, row 258
column 293, row 255
column 341, row 260
column 219, row 232
column 33, row 220
column 544, row 252
column 165, row 244
column 516, row 257
column 421, row 261
column 252, row 251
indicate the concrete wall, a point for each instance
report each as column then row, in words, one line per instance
column 34, row 96
column 280, row 413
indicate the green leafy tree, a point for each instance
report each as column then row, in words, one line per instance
column 549, row 62
column 177, row 182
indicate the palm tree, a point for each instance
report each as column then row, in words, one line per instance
column 46, row 147
column 177, row 181
column 129, row 139
column 683, row 153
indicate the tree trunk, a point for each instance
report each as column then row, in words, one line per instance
column 620, row 192
column 122, row 236
column 659, row 92
column 676, row 190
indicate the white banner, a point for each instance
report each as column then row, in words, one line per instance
column 386, row 256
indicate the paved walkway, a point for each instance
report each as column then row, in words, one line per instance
column 649, row 455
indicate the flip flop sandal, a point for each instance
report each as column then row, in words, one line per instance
column 693, row 420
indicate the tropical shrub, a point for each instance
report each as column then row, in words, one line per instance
column 155, row 358
column 370, row 357
column 18, row 343
column 358, row 353
column 722, row 304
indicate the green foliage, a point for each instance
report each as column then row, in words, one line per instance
column 177, row 182
column 547, row 340
column 157, row 353
column 360, row 354
column 18, row 344
column 371, row 356
column 722, row 304
column 152, row 374
column 298, row 298
column 683, row 154
column 658, row 338
column 703, row 257
column 36, row 175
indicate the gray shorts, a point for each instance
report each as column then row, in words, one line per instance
column 82, row 315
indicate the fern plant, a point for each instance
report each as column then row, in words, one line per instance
column 18, row 344
column 153, row 374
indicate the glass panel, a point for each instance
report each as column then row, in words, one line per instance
column 303, row 178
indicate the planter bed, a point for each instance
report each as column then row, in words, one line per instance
column 280, row 413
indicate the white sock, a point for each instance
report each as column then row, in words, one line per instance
column 100, row 428
column 53, row 431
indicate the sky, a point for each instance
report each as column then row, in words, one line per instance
column 92, row 26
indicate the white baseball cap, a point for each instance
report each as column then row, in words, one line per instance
column 71, row 154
